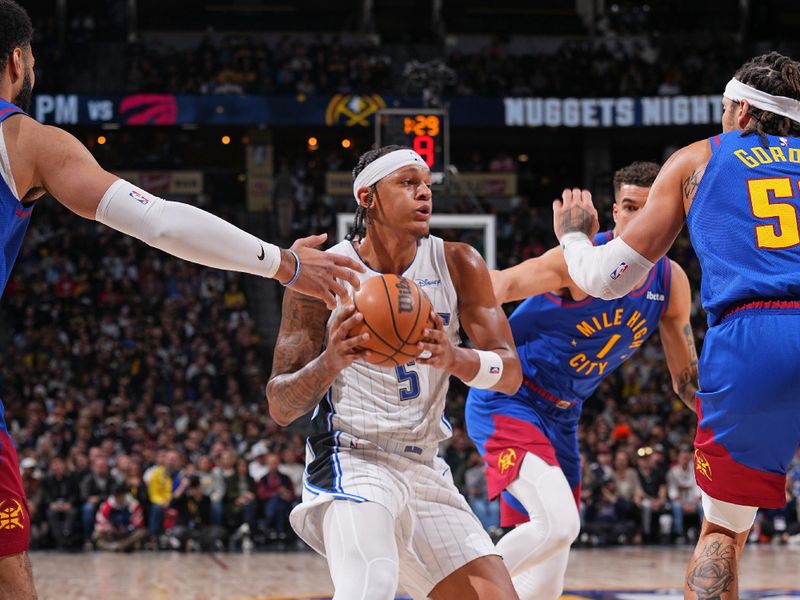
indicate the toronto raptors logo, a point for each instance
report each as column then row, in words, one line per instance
column 11, row 515
column 506, row 460
column 702, row 465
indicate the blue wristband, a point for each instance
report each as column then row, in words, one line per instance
column 296, row 270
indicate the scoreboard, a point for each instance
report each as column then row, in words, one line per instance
column 425, row 130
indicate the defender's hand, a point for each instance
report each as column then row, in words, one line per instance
column 575, row 212
column 319, row 271
column 342, row 348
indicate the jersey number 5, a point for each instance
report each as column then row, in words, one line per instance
column 407, row 378
column 785, row 233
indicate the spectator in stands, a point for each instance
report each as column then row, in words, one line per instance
column 654, row 503
column 193, row 525
column 94, row 489
column 162, row 481
column 119, row 524
column 684, row 495
column 608, row 519
column 275, row 491
column 488, row 512
column 61, row 499
column 293, row 466
column 456, row 455
column 240, row 494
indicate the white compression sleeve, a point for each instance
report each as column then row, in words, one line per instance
column 608, row 271
column 185, row 231
column 361, row 549
column 554, row 520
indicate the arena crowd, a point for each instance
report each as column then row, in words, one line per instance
column 134, row 386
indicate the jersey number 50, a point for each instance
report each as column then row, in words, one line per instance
column 785, row 233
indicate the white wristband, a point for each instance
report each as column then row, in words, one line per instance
column 490, row 371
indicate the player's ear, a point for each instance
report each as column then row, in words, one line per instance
column 366, row 196
column 743, row 118
column 17, row 64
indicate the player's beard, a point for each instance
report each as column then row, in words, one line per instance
column 23, row 98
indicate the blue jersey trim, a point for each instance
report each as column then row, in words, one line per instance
column 341, row 495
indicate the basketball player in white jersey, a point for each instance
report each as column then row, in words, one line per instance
column 36, row 159
column 377, row 502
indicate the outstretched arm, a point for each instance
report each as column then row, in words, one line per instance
column 301, row 371
column 482, row 319
column 56, row 161
column 545, row 273
column 677, row 338
column 613, row 270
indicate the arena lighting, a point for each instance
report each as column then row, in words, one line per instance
column 101, row 139
column 346, row 143
column 522, row 158
column 312, row 141
column 226, row 139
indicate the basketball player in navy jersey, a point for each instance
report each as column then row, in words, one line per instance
column 378, row 502
column 739, row 193
column 568, row 343
column 35, row 160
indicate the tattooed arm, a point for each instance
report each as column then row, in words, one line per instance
column 301, row 370
column 677, row 338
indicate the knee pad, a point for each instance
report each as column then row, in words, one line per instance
column 733, row 517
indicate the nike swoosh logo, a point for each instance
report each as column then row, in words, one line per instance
column 263, row 254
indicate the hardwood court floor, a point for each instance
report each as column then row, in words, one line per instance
column 285, row 576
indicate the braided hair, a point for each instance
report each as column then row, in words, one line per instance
column 362, row 212
column 778, row 75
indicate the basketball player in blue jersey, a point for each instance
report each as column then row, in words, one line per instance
column 35, row 160
column 739, row 194
column 568, row 343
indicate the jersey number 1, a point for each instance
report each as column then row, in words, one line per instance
column 785, row 233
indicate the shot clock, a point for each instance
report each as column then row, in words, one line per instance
column 425, row 130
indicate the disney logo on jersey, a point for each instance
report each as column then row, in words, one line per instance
column 621, row 268
column 425, row 282
column 656, row 297
column 623, row 328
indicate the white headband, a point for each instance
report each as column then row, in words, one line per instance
column 383, row 166
column 780, row 105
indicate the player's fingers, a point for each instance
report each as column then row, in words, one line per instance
column 330, row 301
column 438, row 321
column 335, row 287
column 586, row 197
column 344, row 313
column 352, row 320
column 434, row 349
column 310, row 242
column 353, row 342
column 432, row 336
column 350, row 263
column 347, row 275
column 566, row 197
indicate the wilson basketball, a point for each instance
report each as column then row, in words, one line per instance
column 396, row 311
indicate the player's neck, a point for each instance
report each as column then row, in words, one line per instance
column 388, row 253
